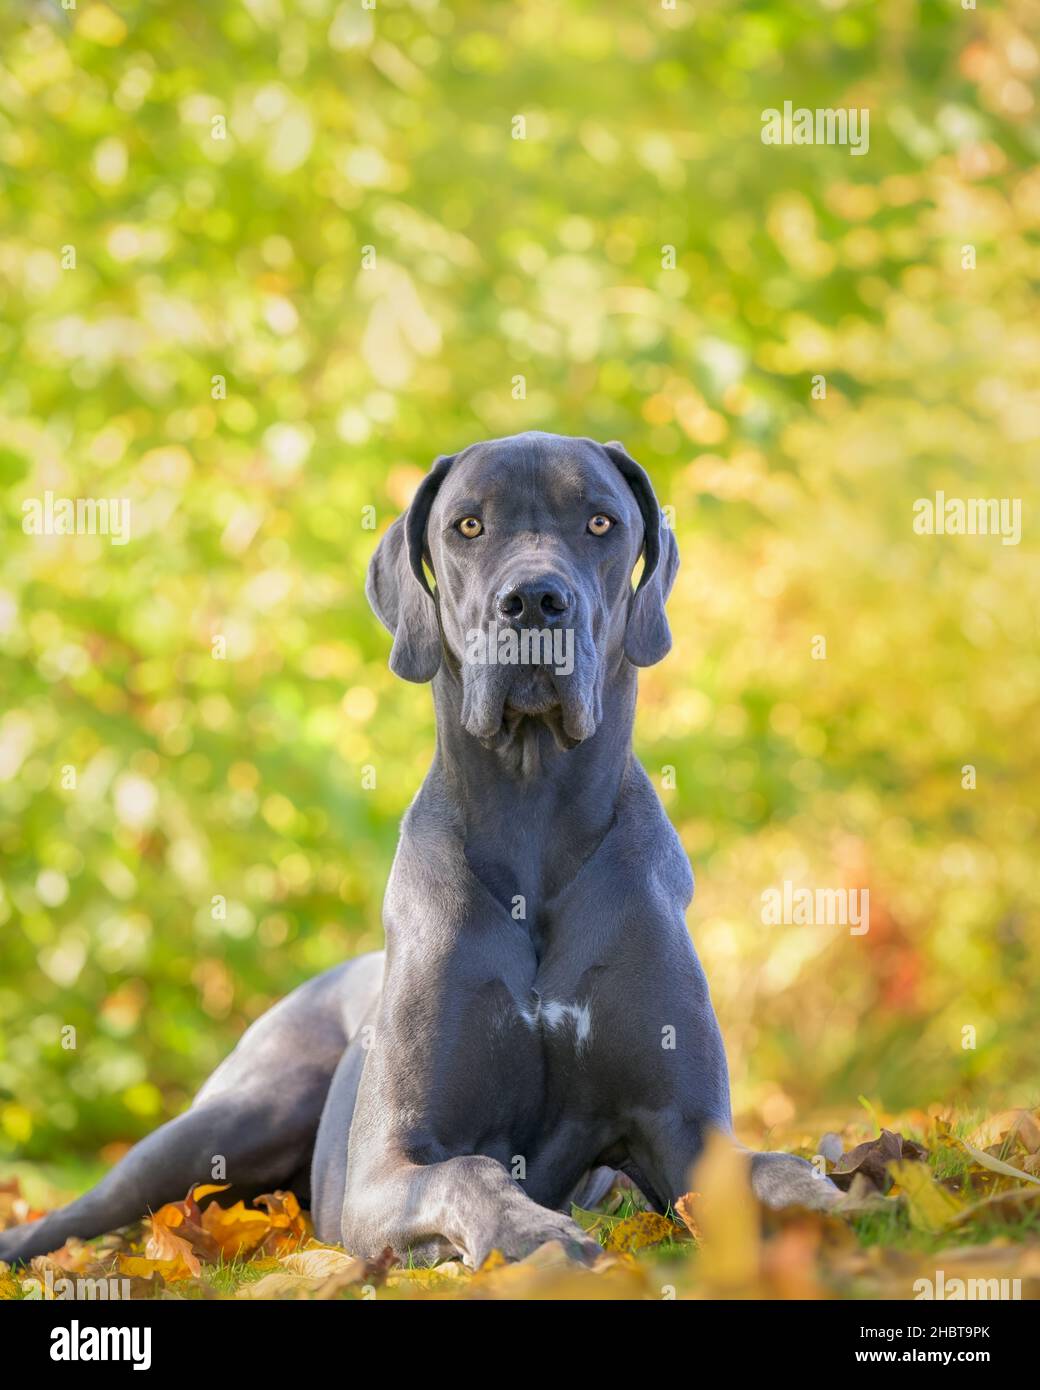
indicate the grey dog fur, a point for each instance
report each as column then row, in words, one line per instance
column 452, row 1095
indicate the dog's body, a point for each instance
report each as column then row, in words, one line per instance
column 541, row 1013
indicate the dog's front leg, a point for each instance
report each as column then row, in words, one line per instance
column 467, row 1205
column 686, row 1096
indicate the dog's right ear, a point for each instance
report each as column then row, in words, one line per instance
column 648, row 638
column 397, row 588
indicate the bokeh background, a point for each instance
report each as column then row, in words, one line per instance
column 242, row 258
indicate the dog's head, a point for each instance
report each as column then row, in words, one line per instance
column 531, row 542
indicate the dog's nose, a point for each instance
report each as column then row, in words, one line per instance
column 534, row 603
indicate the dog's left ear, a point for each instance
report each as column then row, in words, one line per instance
column 647, row 635
column 398, row 590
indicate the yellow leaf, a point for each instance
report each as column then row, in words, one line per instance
column 643, row 1229
column 726, row 1211
column 141, row 1267
column 931, row 1207
column 207, row 1189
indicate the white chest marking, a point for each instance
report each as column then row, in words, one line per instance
column 553, row 1015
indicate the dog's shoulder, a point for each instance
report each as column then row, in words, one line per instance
column 651, row 838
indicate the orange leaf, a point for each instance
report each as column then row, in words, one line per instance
column 165, row 1247
column 186, row 1218
column 288, row 1225
column 235, row 1230
column 172, row 1214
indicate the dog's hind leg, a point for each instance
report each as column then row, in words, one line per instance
column 258, row 1113
column 162, row 1167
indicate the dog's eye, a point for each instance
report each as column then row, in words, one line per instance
column 600, row 524
column 469, row 527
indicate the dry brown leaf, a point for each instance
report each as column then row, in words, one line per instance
column 165, row 1247
column 289, row 1227
column 1019, row 1126
column 185, row 1220
column 684, row 1210
column 280, row 1285
column 322, row 1271
column 860, row 1198
column 75, row 1256
column 1005, row 1206
column 322, row 1262
column 49, row 1273
column 872, row 1159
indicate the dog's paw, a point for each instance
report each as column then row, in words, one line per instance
column 593, row 1187
column 518, row 1238
column 782, row 1180
column 19, row 1244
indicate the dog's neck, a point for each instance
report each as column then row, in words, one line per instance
column 539, row 822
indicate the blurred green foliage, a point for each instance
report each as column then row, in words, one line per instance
column 242, row 258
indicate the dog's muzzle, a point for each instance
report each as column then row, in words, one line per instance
column 533, row 659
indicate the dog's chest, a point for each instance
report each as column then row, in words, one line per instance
column 566, row 1022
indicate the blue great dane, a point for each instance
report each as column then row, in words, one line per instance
column 539, row 1019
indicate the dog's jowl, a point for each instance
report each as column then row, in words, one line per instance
column 452, row 1095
